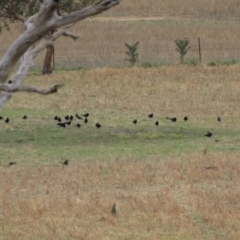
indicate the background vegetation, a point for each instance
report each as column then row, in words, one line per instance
column 168, row 181
column 158, row 176
column 156, row 24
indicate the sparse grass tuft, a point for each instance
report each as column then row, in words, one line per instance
column 192, row 62
column 226, row 62
column 149, row 64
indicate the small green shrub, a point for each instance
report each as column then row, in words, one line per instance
column 148, row 64
column 226, row 62
column 229, row 62
column 182, row 47
column 132, row 53
column 192, row 62
column 212, row 64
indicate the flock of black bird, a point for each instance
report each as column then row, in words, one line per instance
column 84, row 118
column 7, row 120
column 68, row 120
column 174, row 119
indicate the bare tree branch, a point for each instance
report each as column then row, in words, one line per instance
column 19, row 18
column 12, row 89
column 95, row 9
column 37, row 28
column 47, row 20
column 27, row 63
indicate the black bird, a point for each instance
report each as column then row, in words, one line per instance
column 7, row 120
column 156, row 123
column 61, row 124
column 78, row 125
column 98, row 125
column 12, row 163
column 185, row 118
column 150, row 115
column 59, row 119
column 1, row 117
column 71, row 117
column 135, row 121
column 77, row 116
column 209, row 134
column 68, row 123
column 86, row 115
column 85, row 120
column 219, row 119
column 114, row 210
column 172, row 119
column 67, row 117
column 65, row 162
column 24, row 117
column 56, row 118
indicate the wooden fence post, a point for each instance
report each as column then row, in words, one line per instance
column 199, row 50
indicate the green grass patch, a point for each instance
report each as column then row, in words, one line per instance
column 39, row 140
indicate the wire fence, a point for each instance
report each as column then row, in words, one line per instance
column 102, row 44
column 89, row 61
column 163, row 57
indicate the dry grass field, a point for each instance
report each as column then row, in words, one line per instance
column 168, row 182
column 173, row 197
column 156, row 24
column 201, row 8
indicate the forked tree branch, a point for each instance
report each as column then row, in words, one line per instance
column 46, row 21
column 12, row 89
column 37, row 28
column 26, row 64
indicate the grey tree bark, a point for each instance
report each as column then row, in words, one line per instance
column 35, row 39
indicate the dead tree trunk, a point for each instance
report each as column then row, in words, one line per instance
column 35, row 39
column 47, row 65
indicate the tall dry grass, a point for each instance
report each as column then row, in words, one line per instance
column 200, row 92
column 164, row 197
column 200, row 8
column 173, row 197
column 102, row 43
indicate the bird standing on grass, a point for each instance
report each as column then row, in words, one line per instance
column 114, row 210
column 12, row 163
column 7, row 120
column 156, row 123
column 150, row 115
column 86, row 115
column 24, row 117
column 65, row 162
column 219, row 119
column 98, row 125
column 78, row 117
column 68, row 123
column 135, row 121
column 61, row 124
column 174, row 119
column 209, row 134
column 185, row 118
